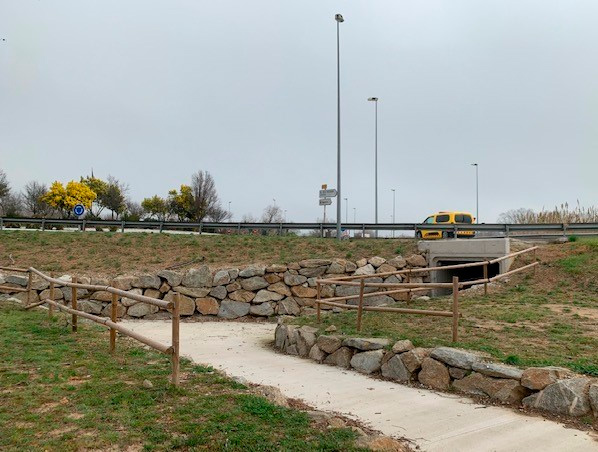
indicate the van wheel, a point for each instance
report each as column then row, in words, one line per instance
column 418, row 235
column 445, row 235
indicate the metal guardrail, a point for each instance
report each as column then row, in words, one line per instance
column 506, row 229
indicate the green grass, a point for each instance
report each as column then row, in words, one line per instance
column 113, row 252
column 63, row 391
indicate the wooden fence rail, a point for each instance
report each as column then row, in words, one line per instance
column 409, row 288
column 173, row 349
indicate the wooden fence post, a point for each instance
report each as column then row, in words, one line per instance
column 408, row 276
column 29, row 282
column 113, row 307
column 319, row 290
column 455, row 308
column 175, row 340
column 50, row 305
column 486, row 278
column 74, row 305
column 360, row 306
column 535, row 260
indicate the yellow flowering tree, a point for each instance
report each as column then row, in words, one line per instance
column 181, row 203
column 64, row 199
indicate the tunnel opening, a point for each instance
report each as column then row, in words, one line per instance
column 464, row 274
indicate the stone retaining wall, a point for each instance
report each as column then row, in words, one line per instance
column 553, row 389
column 230, row 293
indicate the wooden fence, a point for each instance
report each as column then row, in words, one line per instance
column 173, row 306
column 410, row 287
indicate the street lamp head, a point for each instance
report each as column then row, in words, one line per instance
column 474, row 164
column 373, row 99
column 339, row 18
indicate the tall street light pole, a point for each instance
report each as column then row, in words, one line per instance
column 477, row 198
column 393, row 210
column 339, row 19
column 375, row 100
column 354, row 214
column 346, row 210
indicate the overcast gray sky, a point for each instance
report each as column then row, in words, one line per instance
column 150, row 92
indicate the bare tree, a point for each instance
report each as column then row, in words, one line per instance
column 248, row 218
column 32, row 199
column 205, row 197
column 133, row 211
column 272, row 214
column 219, row 214
column 4, row 185
column 11, row 205
column 114, row 196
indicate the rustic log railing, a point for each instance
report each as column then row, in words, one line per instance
column 173, row 306
column 410, row 287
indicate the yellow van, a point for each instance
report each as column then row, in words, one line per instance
column 447, row 218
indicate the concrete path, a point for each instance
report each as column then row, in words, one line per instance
column 433, row 421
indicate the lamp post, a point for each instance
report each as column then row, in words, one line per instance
column 477, row 198
column 346, row 210
column 375, row 100
column 339, row 19
column 354, row 214
column 229, row 209
column 393, row 210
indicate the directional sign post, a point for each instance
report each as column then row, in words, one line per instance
column 330, row 193
column 325, row 201
column 79, row 210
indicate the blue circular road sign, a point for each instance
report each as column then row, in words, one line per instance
column 79, row 210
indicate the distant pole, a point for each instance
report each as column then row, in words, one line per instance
column 375, row 100
column 339, row 19
column 354, row 214
column 346, row 210
column 393, row 210
column 229, row 209
column 477, row 198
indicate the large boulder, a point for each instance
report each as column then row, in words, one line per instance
column 67, row 293
column 186, row 304
column 288, row 306
column 280, row 335
column 126, row 301
column 497, row 370
column 503, row 389
column 434, row 374
column 454, row 357
column 341, row 358
column 142, row 309
column 261, row 310
column 313, row 272
column 312, row 263
column 172, row 278
column 17, row 279
column 45, row 294
column 218, row 292
column 317, row 354
column 413, row 358
column 195, row 292
column 252, row 270
column 336, row 267
column 265, row 295
column 303, row 292
column 101, row 295
column 402, row 346
column 231, row 309
column 244, row 296
column 343, row 290
column 593, row 394
column 416, row 260
column 280, row 288
column 89, row 306
column 329, row 344
column 568, row 397
column 207, row 306
column 376, row 300
column 385, row 268
column 147, row 281
column 376, row 261
column 396, row 370
column 367, row 362
column 221, row 278
column 120, row 310
column 294, row 280
column 367, row 269
column 366, row 344
column 198, row 277
column 398, row 261
column 306, row 340
column 537, row 378
column 254, row 283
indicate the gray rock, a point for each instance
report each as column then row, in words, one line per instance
column 402, row 346
column 280, row 336
column 345, row 291
column 186, row 304
column 147, row 384
column 398, row 262
column 434, row 374
column 294, row 280
column 457, row 373
column 17, row 279
column 502, row 389
column 221, row 278
column 45, row 294
column 292, row 350
column 366, row 344
column 395, row 369
column 142, row 309
column 367, row 362
column 147, row 281
column 254, row 283
column 313, row 272
column 288, row 306
column 329, row 344
column 233, row 273
column 393, row 279
column 317, row 354
column 253, row 270
column 100, row 295
column 305, row 340
column 39, row 284
column 568, row 397
column 219, row 292
column 230, row 309
column 454, row 357
column 336, row 267
column 91, row 307
column 413, row 358
column 172, row 278
column 376, row 261
column 366, row 270
column 153, row 293
column 593, row 395
column 263, row 310
column 312, row 263
column 195, row 292
column 129, row 301
column 265, row 295
column 416, row 260
column 198, row 277
column 377, row 300
column 341, row 358
column 67, row 293
column 120, row 310
column 497, row 370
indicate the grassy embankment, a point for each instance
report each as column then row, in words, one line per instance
column 62, row 391
column 112, row 253
column 547, row 319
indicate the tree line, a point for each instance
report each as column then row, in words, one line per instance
column 198, row 201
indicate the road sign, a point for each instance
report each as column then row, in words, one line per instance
column 330, row 193
column 79, row 210
column 325, row 201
